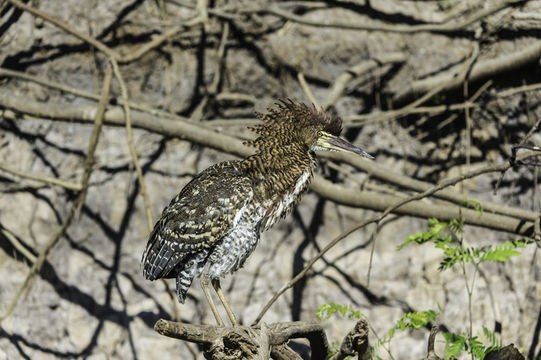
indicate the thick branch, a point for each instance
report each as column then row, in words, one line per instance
column 480, row 70
column 441, row 28
column 248, row 340
column 351, row 197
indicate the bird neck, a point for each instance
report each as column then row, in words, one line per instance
column 278, row 169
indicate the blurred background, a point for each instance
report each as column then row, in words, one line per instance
column 435, row 90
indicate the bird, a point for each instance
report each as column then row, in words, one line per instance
column 213, row 225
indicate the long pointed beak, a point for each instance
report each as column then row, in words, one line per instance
column 330, row 142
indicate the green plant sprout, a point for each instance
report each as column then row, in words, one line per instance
column 449, row 237
column 409, row 321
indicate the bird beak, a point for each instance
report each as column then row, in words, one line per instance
column 330, row 142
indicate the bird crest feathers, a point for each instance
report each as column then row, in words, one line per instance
column 288, row 118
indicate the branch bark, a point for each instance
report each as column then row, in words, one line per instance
column 522, row 224
column 480, row 70
column 248, row 342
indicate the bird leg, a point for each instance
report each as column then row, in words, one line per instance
column 206, row 291
column 218, row 288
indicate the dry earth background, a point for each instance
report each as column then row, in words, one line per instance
column 210, row 66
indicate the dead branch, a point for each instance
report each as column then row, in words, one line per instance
column 480, row 70
column 245, row 342
column 355, row 343
column 431, row 354
column 339, row 85
column 336, row 193
column 439, row 28
column 509, row 352
column 131, row 145
column 92, row 144
column 43, row 179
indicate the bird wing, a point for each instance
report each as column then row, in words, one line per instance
column 205, row 211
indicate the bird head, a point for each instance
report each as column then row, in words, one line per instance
column 321, row 132
column 329, row 142
column 298, row 123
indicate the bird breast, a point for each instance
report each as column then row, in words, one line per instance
column 231, row 253
column 284, row 203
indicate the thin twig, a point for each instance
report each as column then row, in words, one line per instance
column 513, row 157
column 36, row 267
column 131, row 145
column 306, row 89
column 86, row 38
column 395, row 206
column 43, row 179
column 18, row 246
column 517, row 90
column 338, row 87
column 465, row 88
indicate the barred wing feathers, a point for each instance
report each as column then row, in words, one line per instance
column 203, row 213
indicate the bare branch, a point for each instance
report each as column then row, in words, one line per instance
column 131, row 145
column 440, row 28
column 36, row 266
column 43, row 179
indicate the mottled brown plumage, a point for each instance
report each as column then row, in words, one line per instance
column 211, row 227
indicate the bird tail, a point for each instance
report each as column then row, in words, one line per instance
column 183, row 284
column 191, row 268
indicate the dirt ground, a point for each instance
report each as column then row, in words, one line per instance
column 211, row 65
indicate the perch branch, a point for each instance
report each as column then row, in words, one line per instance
column 212, row 337
column 355, row 343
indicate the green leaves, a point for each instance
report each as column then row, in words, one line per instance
column 447, row 237
column 325, row 311
column 501, row 253
column 456, row 343
column 415, row 320
column 409, row 321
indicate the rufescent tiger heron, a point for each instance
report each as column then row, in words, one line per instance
column 211, row 227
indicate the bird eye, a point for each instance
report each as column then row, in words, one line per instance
column 319, row 133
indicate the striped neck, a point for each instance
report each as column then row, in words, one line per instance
column 280, row 176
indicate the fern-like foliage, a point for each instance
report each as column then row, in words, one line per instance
column 449, row 238
column 410, row 321
column 444, row 235
column 500, row 253
column 415, row 320
column 456, row 343
column 325, row 311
